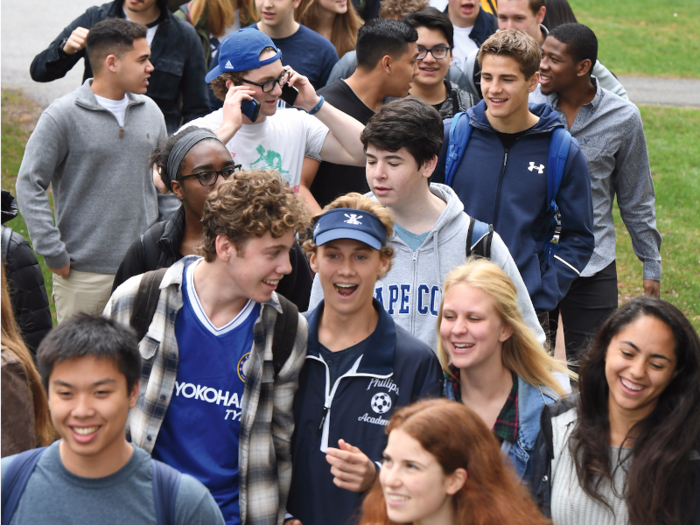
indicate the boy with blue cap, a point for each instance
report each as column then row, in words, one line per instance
column 250, row 70
column 360, row 366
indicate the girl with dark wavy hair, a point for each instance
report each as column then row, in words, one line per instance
column 443, row 466
column 627, row 450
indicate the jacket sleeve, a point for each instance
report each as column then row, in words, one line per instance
column 45, row 150
column 343, row 68
column 576, row 241
column 27, row 292
column 608, row 81
column 18, row 428
column 52, row 62
column 195, row 96
column 428, row 382
column 636, row 199
column 500, row 256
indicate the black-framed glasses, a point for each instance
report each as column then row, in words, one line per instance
column 270, row 84
column 438, row 52
column 209, row 177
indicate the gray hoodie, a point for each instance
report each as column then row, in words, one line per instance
column 100, row 174
column 412, row 290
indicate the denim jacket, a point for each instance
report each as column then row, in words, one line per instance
column 531, row 401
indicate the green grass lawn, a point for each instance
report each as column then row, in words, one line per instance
column 643, row 37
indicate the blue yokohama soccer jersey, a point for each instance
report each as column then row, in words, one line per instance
column 199, row 435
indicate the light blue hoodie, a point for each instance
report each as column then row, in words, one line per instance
column 412, row 290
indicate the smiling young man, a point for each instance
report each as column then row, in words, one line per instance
column 218, row 383
column 610, row 132
column 509, row 146
column 359, row 366
column 430, row 227
column 176, row 84
column 386, row 54
column 90, row 367
column 105, row 131
column 435, row 44
column 250, row 69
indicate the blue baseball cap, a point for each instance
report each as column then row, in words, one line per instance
column 240, row 51
column 348, row 223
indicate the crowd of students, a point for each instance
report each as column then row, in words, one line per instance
column 262, row 292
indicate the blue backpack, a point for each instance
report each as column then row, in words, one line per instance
column 460, row 131
column 166, row 482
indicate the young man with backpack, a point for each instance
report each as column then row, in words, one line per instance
column 515, row 167
column 90, row 368
column 432, row 233
column 612, row 140
column 222, row 351
column 359, row 366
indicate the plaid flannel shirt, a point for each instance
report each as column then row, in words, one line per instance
column 267, row 420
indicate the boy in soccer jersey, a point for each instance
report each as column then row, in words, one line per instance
column 359, row 365
column 211, row 340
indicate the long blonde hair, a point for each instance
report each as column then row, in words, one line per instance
column 521, row 352
column 12, row 341
column 345, row 26
column 220, row 14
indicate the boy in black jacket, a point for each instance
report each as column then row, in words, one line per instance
column 359, row 366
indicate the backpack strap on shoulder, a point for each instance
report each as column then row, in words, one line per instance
column 15, row 480
column 166, row 483
column 285, row 333
column 458, row 138
column 483, row 233
column 558, row 153
column 146, row 301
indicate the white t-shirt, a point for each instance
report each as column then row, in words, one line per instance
column 150, row 31
column 464, row 46
column 280, row 142
column 117, row 107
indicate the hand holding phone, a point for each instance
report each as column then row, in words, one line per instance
column 289, row 94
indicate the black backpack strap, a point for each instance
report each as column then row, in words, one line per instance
column 15, row 480
column 146, row 301
column 470, row 234
column 166, row 483
column 285, row 333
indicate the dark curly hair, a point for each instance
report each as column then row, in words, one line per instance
column 249, row 204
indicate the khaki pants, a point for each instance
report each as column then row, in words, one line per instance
column 81, row 292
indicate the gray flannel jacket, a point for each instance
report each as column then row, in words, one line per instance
column 267, row 420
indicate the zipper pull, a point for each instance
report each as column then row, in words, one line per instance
column 121, row 133
column 323, row 420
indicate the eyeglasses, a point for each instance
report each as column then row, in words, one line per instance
column 438, row 52
column 270, row 84
column 209, row 177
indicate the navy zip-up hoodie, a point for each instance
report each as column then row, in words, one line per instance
column 509, row 190
column 399, row 370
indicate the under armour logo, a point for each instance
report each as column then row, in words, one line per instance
column 229, row 65
column 353, row 218
column 540, row 168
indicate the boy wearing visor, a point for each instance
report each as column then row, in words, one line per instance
column 360, row 366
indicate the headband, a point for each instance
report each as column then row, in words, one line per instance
column 183, row 146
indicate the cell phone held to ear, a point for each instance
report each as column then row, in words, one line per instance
column 250, row 108
column 289, row 94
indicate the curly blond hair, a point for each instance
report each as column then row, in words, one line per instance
column 357, row 201
column 247, row 205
